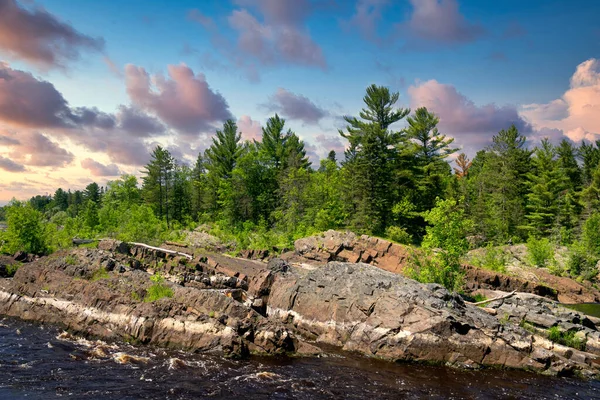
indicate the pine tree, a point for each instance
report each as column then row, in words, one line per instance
column 463, row 165
column 157, row 182
column 222, row 155
column 371, row 160
column 545, row 188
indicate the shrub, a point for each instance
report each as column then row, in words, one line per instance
column 580, row 262
column 493, row 259
column 566, row 338
column 98, row 274
column 444, row 244
column 71, row 259
column 25, row 230
column 539, row 251
column 11, row 269
column 158, row 290
column 398, row 235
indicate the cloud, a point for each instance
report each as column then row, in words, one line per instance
column 251, row 130
column 116, row 71
column 295, row 107
column 138, row 123
column 38, row 150
column 38, row 37
column 576, row 112
column 328, row 143
column 267, row 33
column 366, row 19
column 40, row 105
column 184, row 100
column 9, row 165
column 99, row 169
column 205, row 21
column 440, row 21
column 471, row 125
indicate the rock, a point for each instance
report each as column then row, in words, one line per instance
column 278, row 265
column 21, row 256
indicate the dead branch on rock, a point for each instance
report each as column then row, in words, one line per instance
column 189, row 256
column 494, row 299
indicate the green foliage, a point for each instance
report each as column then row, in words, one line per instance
column 540, row 252
column 158, row 290
column 581, row 263
column 566, row 338
column 71, row 259
column 445, row 244
column 25, row 230
column 398, row 234
column 11, row 269
column 493, row 259
column 479, row 297
column 99, row 274
column 591, row 234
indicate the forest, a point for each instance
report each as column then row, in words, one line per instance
column 408, row 185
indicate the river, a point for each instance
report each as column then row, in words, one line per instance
column 41, row 362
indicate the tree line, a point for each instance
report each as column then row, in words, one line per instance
column 388, row 181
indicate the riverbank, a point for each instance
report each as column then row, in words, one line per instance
column 238, row 307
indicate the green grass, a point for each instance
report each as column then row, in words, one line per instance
column 11, row 269
column 493, row 259
column 158, row 290
column 566, row 338
column 479, row 297
column 135, row 296
column 98, row 274
column 71, row 259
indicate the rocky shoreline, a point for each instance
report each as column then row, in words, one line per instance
column 336, row 290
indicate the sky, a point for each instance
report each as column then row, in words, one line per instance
column 89, row 88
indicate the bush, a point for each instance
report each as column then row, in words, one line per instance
column 25, row 230
column 398, row 235
column 580, row 262
column 493, row 259
column 158, row 290
column 444, row 244
column 11, row 269
column 540, row 252
column 98, row 274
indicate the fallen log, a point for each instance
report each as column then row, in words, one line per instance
column 189, row 256
column 494, row 299
column 170, row 243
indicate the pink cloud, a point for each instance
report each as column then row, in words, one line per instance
column 366, row 18
column 267, row 33
column 470, row 124
column 441, row 21
column 295, row 107
column 250, row 129
column 36, row 36
column 184, row 100
column 38, row 150
column 9, row 165
column 98, row 169
column 577, row 111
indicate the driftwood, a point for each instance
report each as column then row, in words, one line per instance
column 84, row 241
column 189, row 256
column 494, row 299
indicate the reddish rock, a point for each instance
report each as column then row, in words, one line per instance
column 348, row 255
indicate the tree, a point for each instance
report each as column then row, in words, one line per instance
column 274, row 140
column 25, row 229
column 157, row 182
column 462, row 165
column 430, row 150
column 372, row 159
column 226, row 148
column 92, row 193
column 545, row 187
column 61, row 199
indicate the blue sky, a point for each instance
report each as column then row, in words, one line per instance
column 480, row 65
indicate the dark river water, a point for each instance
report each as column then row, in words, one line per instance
column 41, row 362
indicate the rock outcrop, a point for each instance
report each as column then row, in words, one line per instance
column 238, row 306
column 362, row 308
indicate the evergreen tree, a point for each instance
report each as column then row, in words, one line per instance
column 61, row 199
column 92, row 192
column 157, row 182
column 224, row 152
column 462, row 165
